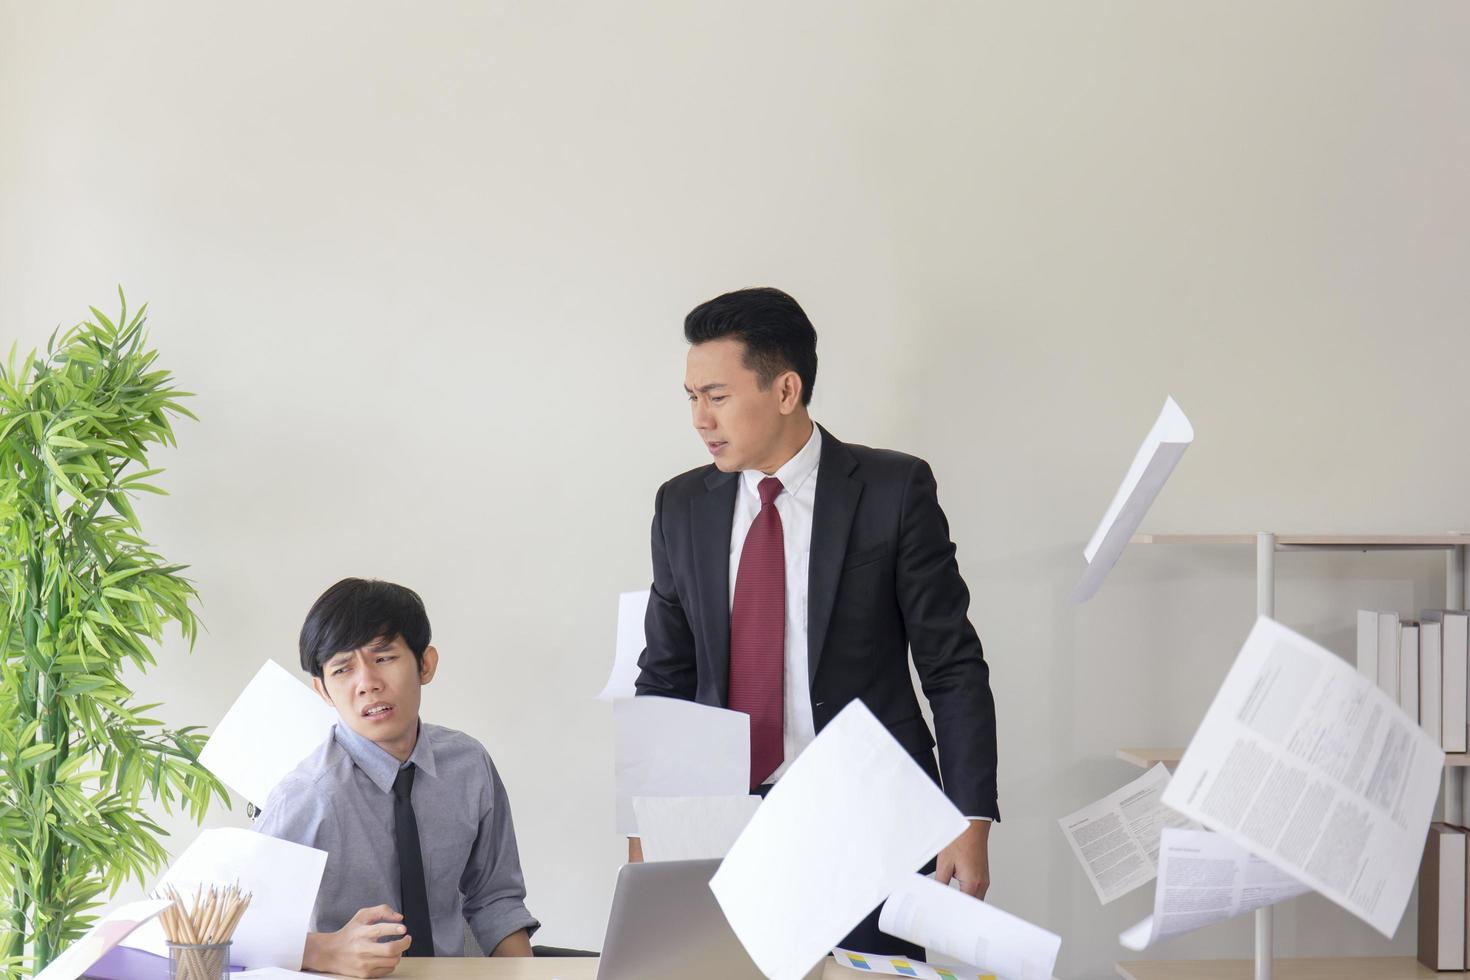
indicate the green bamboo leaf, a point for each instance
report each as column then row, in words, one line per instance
column 102, row 318
column 36, row 754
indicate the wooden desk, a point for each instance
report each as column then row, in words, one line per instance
column 1344, row 968
column 548, row 968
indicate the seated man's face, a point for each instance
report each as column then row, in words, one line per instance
column 376, row 690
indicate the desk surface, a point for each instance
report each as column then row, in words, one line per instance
column 549, row 968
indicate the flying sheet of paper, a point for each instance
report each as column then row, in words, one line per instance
column 954, row 926
column 275, row 723
column 1116, row 839
column 691, row 828
column 112, row 928
column 1303, row 761
column 851, row 819
column 1156, row 459
column 669, row 747
column 624, row 676
column 897, row 966
column 282, row 878
column 1204, row 879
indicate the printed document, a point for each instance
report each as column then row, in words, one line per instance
column 1304, row 762
column 1116, row 839
column 1204, row 879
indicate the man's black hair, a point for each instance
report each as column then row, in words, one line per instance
column 357, row 611
column 774, row 328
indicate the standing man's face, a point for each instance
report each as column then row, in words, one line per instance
column 740, row 424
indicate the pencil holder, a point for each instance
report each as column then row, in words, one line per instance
column 198, row 961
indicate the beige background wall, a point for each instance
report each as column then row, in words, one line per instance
column 426, row 264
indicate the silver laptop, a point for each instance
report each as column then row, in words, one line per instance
column 666, row 925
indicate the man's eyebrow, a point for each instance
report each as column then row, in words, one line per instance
column 705, row 388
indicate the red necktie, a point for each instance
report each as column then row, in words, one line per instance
column 758, row 636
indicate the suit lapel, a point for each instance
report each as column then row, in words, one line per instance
column 836, row 503
column 711, row 518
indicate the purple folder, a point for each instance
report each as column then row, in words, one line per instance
column 126, row 963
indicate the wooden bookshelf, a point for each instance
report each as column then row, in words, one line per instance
column 1148, row 758
column 1335, row 968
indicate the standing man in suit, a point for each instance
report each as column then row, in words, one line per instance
column 796, row 572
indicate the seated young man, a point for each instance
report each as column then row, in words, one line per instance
column 413, row 817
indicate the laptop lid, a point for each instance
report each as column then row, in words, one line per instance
column 666, row 925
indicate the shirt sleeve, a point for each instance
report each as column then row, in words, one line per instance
column 296, row 811
column 493, row 886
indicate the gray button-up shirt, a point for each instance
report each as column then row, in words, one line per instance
column 340, row 800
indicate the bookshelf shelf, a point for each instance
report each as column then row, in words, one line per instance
column 1336, row 968
column 1326, row 542
column 1148, row 758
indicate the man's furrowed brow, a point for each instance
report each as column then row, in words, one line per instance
column 704, row 389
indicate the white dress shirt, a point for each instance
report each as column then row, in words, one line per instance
column 795, row 504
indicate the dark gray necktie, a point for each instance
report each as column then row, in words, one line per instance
column 411, row 866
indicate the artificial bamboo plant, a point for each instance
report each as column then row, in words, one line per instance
column 83, row 595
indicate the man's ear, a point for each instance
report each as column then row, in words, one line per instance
column 788, row 385
column 430, row 665
column 321, row 690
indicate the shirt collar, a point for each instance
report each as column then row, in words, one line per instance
column 376, row 762
column 797, row 470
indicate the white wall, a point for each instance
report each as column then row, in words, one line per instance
column 426, row 265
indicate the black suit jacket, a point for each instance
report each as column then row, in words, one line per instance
column 883, row 581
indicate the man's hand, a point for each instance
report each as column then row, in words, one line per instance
column 635, row 850
column 967, row 860
column 354, row 950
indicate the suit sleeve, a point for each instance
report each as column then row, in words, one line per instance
column 666, row 667
column 951, row 665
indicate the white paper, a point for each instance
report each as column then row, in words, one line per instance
column 669, row 747
column 1156, row 459
column 281, row 877
column 275, row 723
column 1302, row 761
column 274, row 973
column 898, row 966
column 1204, row 879
column 691, row 828
column 1116, row 839
column 951, row 925
column 111, row 929
column 848, row 823
column 622, row 681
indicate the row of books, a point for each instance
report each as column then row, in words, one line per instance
column 1421, row 664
